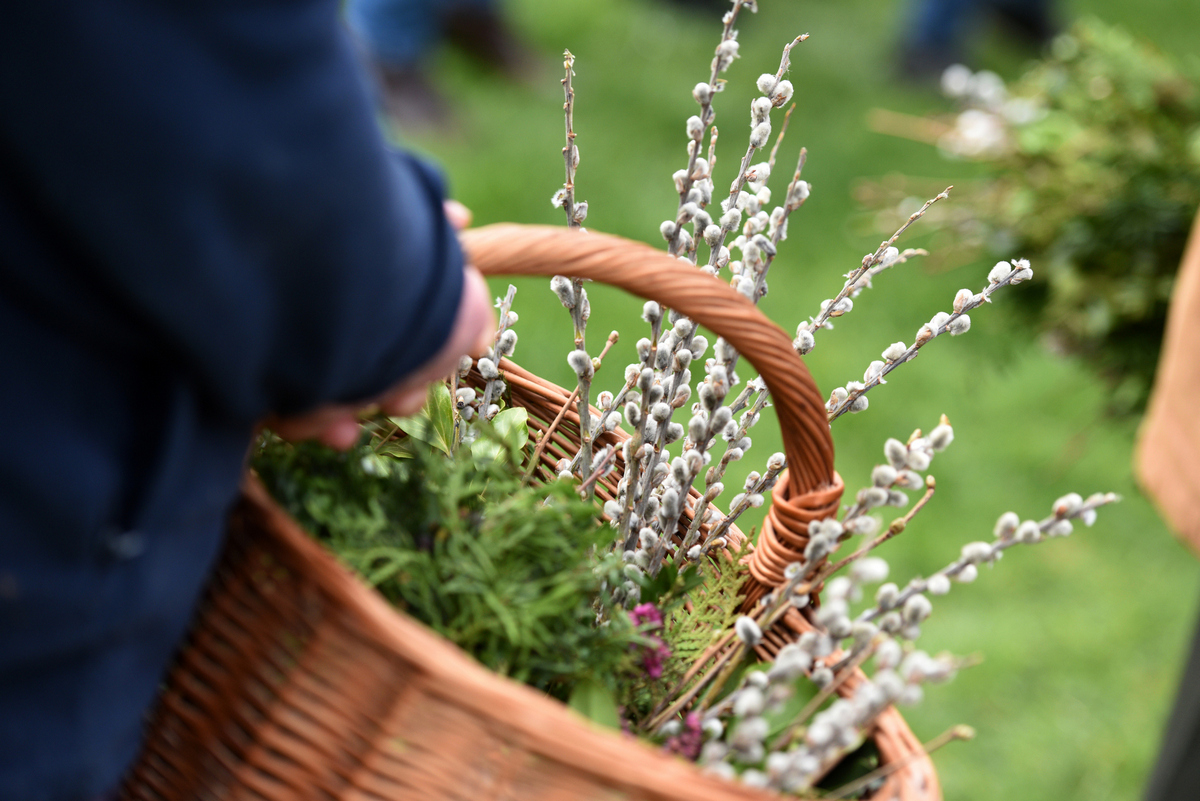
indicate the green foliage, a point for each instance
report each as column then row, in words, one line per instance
column 670, row 587
column 434, row 424
column 698, row 606
column 1097, row 184
column 712, row 612
column 1101, row 191
column 595, row 701
column 504, row 571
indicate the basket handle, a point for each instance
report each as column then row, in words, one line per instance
column 510, row 249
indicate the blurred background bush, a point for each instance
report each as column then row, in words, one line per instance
column 1092, row 161
column 1082, row 639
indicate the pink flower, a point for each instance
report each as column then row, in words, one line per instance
column 646, row 613
column 654, row 655
column 687, row 743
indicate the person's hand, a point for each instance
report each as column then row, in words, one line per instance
column 337, row 426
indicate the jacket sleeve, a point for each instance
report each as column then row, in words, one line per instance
column 203, row 184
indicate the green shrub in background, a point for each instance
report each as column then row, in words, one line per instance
column 1093, row 172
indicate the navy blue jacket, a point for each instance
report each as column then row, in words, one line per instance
column 199, row 223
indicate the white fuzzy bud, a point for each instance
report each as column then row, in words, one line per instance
column 918, row 460
column 702, row 93
column 760, row 110
column 695, row 128
column 967, row 574
column 561, row 286
column 762, row 174
column 1067, row 505
column 1006, row 525
column 1028, row 533
column 804, row 341
column 959, row 325
column 680, row 179
column 917, row 609
column 999, row 272
column 748, row 631
column 869, row 570
column 941, row 437
column 790, row 663
column 727, row 51
column 798, row 193
column 872, row 497
column 633, row 413
column 976, row 552
column 964, row 297
column 581, row 363
column 1023, row 271
column 783, row 92
column 863, row 524
column 1059, row 528
column 938, row 584
column 883, row 475
column 760, row 135
column 888, row 655
column 896, row 453
column 487, row 369
column 507, row 342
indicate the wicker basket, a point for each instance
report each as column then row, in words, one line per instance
column 299, row 682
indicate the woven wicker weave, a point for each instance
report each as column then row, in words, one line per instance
column 299, row 682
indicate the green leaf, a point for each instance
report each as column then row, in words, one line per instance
column 434, row 424
column 508, row 434
column 512, row 426
column 440, row 408
column 595, row 702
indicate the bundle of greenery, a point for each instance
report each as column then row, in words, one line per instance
column 1093, row 170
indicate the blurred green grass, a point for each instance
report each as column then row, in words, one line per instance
column 1081, row 639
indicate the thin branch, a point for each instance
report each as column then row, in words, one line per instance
column 869, row 262
column 925, row 335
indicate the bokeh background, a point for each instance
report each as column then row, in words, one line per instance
column 1081, row 640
